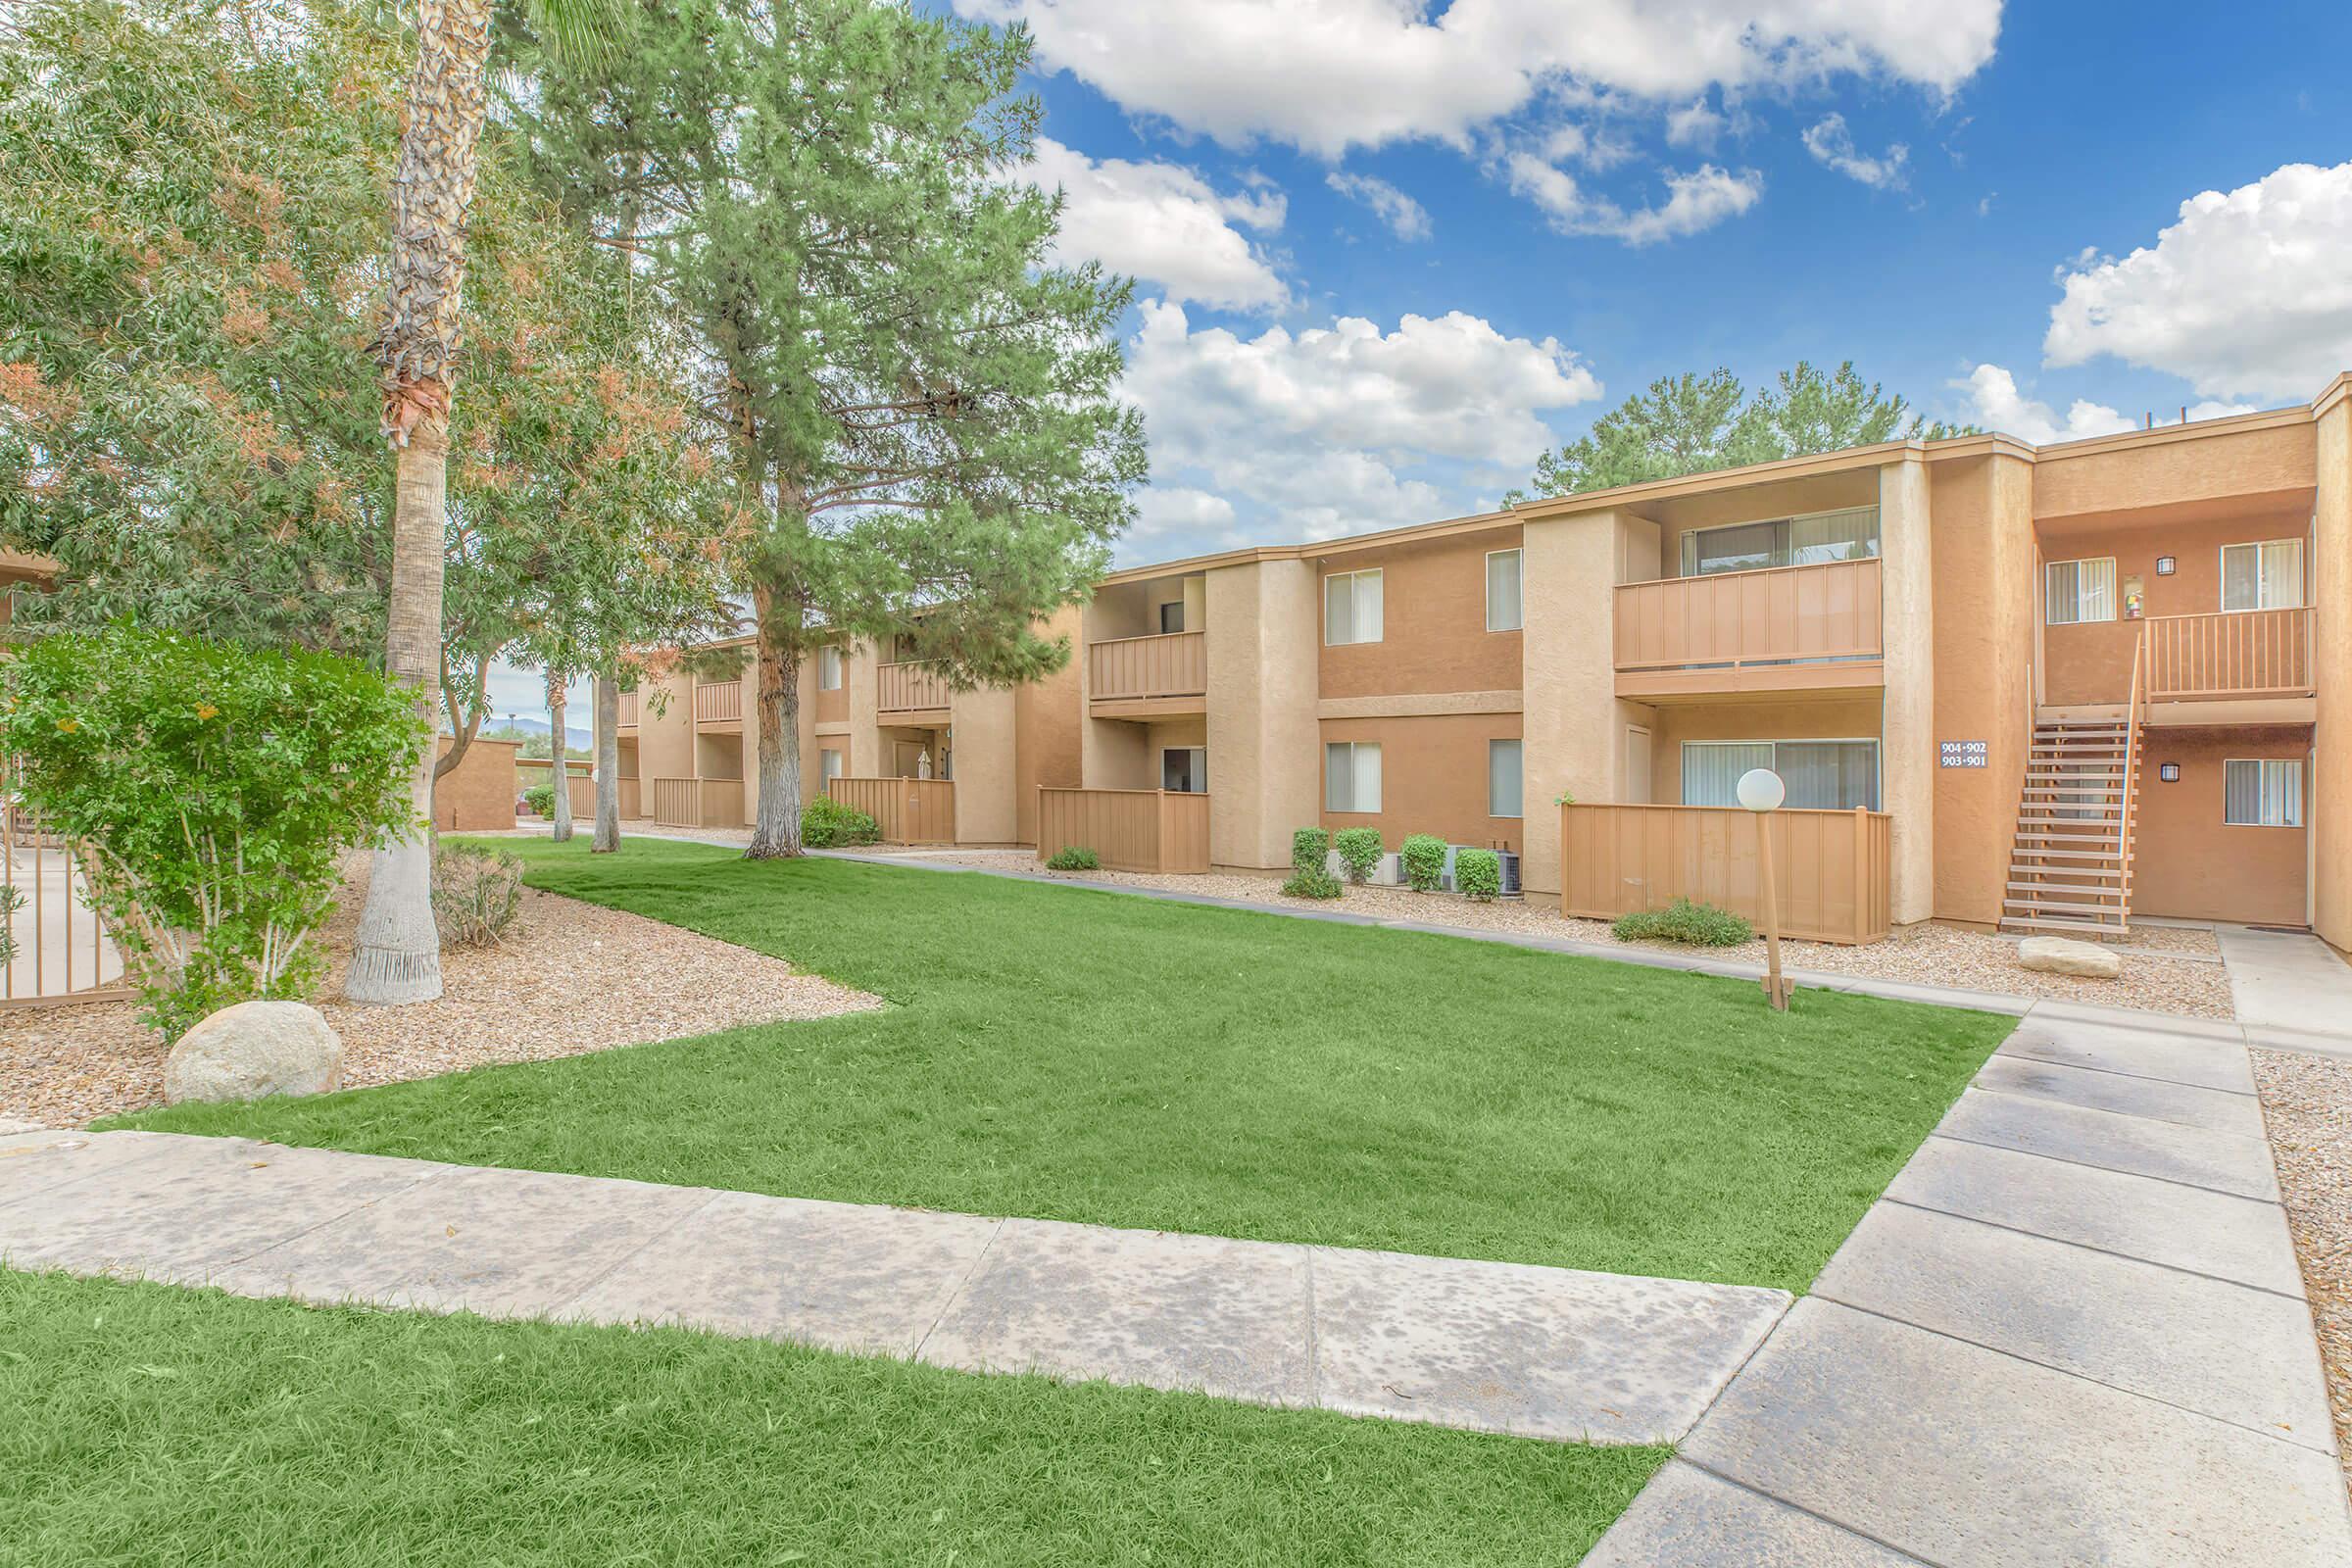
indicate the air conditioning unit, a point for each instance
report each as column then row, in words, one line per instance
column 1508, row 870
column 1388, row 872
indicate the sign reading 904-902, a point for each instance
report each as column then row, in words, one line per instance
column 1963, row 753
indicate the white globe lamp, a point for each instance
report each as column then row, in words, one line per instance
column 1760, row 790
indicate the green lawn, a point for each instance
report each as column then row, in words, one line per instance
column 159, row 1425
column 1068, row 1054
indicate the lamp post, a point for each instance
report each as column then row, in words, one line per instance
column 1761, row 791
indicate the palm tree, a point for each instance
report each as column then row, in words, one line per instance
column 396, row 955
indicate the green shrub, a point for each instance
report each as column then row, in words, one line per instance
column 1074, row 857
column 1424, row 858
column 1478, row 875
column 1309, row 846
column 827, row 825
column 477, row 893
column 1697, row 925
column 210, row 793
column 11, row 901
column 1358, row 849
column 1315, row 884
column 541, row 798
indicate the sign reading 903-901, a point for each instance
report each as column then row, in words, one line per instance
column 1963, row 753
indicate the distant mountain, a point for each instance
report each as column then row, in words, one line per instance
column 577, row 739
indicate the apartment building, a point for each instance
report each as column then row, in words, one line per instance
column 2052, row 688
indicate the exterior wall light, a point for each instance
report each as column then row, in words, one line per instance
column 1761, row 791
column 2170, row 773
column 2166, row 565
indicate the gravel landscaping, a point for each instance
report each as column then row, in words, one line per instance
column 2307, row 1105
column 2174, row 969
column 569, row 978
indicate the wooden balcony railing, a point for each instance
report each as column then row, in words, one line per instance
column 627, row 719
column 1129, row 830
column 911, row 687
column 1834, row 866
column 698, row 801
column 717, row 701
column 2234, row 653
column 908, row 810
column 1747, row 629
column 1171, row 664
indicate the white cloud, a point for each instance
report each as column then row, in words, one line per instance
column 1163, row 222
column 1329, row 74
column 1162, row 510
column 2248, row 295
column 1596, row 150
column 1698, row 200
column 1832, row 145
column 1305, row 435
column 1998, row 405
column 1694, row 126
column 1407, row 218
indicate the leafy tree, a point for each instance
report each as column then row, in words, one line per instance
column 918, row 406
column 1699, row 423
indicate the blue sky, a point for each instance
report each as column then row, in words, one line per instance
column 1385, row 254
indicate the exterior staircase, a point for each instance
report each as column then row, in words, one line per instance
column 2070, row 864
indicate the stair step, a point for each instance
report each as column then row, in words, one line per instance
column 2066, row 787
column 2026, row 853
column 2090, row 874
column 2095, row 900
column 2107, row 928
column 2038, row 908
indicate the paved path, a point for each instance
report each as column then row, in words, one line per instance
column 2290, row 989
column 2071, row 1331
column 1503, row 1348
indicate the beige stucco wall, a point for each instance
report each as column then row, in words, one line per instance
column 2174, row 468
column 1845, row 716
column 2331, row 636
column 1264, row 761
column 665, row 740
column 1907, row 748
column 986, row 805
column 1049, row 716
column 1573, row 728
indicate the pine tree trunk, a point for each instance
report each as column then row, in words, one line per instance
column 396, row 953
column 606, row 724
column 559, row 750
column 778, row 673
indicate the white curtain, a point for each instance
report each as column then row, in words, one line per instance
column 1351, row 607
column 1821, row 775
column 1351, row 777
column 2079, row 590
column 1711, row 770
column 1848, row 535
column 1503, row 611
column 2263, row 793
column 2263, row 576
column 1505, row 791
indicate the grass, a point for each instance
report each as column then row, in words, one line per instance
column 1069, row 1054
column 159, row 1425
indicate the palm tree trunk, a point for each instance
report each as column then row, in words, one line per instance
column 777, row 670
column 606, row 724
column 396, row 955
column 559, row 750
column 396, row 952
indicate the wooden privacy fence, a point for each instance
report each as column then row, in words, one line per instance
column 63, row 952
column 1129, row 830
column 632, row 799
column 2238, row 652
column 1831, row 867
column 698, row 801
column 908, row 810
column 531, row 771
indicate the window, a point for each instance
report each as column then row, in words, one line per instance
column 1171, row 616
column 2263, row 576
column 1184, row 770
column 2263, row 794
column 828, row 668
column 828, row 764
column 1351, row 777
column 1821, row 775
column 1503, row 611
column 1849, row 534
column 1503, row 780
column 2074, row 591
column 1351, row 607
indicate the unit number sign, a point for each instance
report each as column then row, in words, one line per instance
column 1962, row 754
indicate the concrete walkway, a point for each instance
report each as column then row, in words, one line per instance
column 2071, row 1331
column 1503, row 1348
column 2290, row 990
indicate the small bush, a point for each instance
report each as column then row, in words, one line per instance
column 477, row 893
column 1697, row 925
column 1424, row 858
column 1308, row 847
column 11, row 901
column 1074, row 857
column 1315, row 884
column 1478, row 875
column 827, row 825
column 541, row 798
column 1359, row 851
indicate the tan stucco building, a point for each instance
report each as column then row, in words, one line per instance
column 2077, row 679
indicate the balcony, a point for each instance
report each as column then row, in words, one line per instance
column 718, row 702
column 1147, row 677
column 627, row 719
column 2232, row 666
column 912, row 692
column 1782, row 628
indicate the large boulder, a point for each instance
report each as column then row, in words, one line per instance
column 2063, row 955
column 255, row 1049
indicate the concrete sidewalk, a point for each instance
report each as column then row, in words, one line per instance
column 1503, row 1347
column 2071, row 1331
